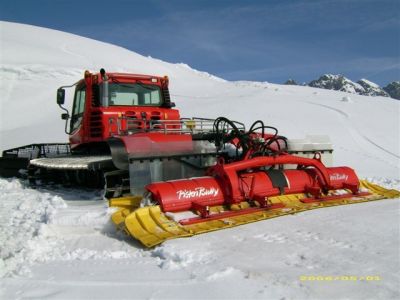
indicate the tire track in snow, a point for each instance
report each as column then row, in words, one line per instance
column 34, row 72
column 354, row 129
column 64, row 48
column 7, row 89
column 101, row 283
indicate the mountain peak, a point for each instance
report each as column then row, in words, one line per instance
column 339, row 82
column 291, row 82
column 393, row 89
column 371, row 88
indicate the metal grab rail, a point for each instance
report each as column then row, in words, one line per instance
column 129, row 125
column 38, row 150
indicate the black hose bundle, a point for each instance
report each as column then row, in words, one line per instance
column 251, row 143
column 226, row 131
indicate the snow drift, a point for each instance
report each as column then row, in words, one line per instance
column 58, row 243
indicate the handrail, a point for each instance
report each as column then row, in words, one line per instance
column 129, row 125
column 38, row 150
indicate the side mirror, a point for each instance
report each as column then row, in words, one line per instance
column 169, row 104
column 60, row 96
column 65, row 116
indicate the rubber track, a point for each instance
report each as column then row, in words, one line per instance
column 151, row 226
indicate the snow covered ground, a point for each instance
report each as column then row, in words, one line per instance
column 59, row 243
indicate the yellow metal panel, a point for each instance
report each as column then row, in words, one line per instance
column 126, row 202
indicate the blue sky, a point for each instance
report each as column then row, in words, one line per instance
column 238, row 40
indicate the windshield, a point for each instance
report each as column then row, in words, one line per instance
column 134, row 94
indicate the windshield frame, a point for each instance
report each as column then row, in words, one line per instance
column 139, row 96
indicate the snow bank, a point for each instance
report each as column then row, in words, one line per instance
column 40, row 227
column 24, row 233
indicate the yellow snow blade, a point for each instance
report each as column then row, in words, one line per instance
column 126, row 205
column 125, row 202
column 376, row 189
column 151, row 226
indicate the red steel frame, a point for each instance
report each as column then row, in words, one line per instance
column 229, row 176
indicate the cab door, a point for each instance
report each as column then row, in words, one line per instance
column 78, row 111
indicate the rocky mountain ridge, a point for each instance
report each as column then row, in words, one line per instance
column 362, row 87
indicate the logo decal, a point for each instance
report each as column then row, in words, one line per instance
column 337, row 176
column 197, row 192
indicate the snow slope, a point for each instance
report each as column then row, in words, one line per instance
column 59, row 243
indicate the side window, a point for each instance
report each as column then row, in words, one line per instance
column 152, row 98
column 78, row 109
